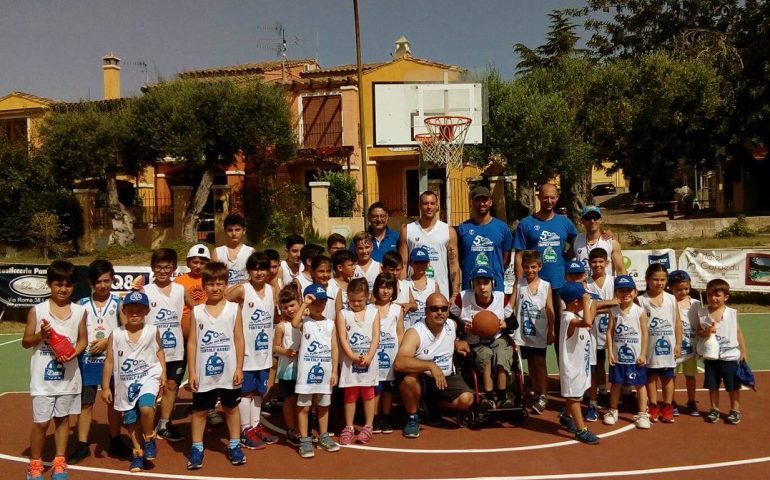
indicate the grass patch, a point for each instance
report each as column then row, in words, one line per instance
column 680, row 244
column 11, row 326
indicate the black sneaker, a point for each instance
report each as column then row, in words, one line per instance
column 733, row 418
column 170, row 433
column 81, row 452
column 119, row 449
column 568, row 422
column 713, row 416
column 385, row 425
column 377, row 424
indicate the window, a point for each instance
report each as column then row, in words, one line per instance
column 322, row 121
column 14, row 129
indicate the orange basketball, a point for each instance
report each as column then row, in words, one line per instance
column 485, row 324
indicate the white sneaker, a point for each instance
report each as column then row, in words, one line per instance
column 642, row 420
column 611, row 417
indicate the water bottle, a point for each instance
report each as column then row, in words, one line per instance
column 61, row 345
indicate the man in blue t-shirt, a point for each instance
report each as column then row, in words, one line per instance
column 384, row 238
column 484, row 240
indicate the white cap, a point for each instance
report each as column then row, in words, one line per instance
column 199, row 250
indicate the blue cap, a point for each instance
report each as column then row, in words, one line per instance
column 677, row 276
column 590, row 209
column 575, row 267
column 317, row 290
column 571, row 291
column 624, row 281
column 136, row 297
column 419, row 254
column 481, row 271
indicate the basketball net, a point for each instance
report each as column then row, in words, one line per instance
column 443, row 144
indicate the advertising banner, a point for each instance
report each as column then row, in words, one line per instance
column 637, row 261
column 746, row 270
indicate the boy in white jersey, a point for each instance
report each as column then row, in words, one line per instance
column 532, row 300
column 493, row 356
column 55, row 384
column 215, row 352
column 291, row 266
column 136, row 361
column 317, row 364
column 575, row 358
column 306, row 255
column 585, row 243
column 687, row 363
column 627, row 347
column 167, row 300
column 344, row 267
column 321, row 266
column 102, row 317
column 234, row 253
column 394, row 264
column 286, row 344
column 420, row 286
column 257, row 303
column 366, row 267
column 334, row 243
column 720, row 320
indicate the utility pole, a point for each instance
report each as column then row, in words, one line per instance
column 361, row 125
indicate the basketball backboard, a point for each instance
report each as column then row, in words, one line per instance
column 400, row 110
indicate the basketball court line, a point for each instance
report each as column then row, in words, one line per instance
column 558, row 476
column 11, row 341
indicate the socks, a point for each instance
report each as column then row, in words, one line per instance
column 162, row 423
column 501, row 394
column 234, row 442
column 197, row 446
column 255, row 410
column 244, row 408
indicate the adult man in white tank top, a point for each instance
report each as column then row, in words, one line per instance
column 591, row 216
column 439, row 239
column 425, row 359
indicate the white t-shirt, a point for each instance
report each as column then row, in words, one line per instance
column 47, row 375
column 574, row 358
column 583, row 248
column 288, row 276
column 166, row 314
column 314, row 361
column 257, row 315
column 292, row 337
column 388, row 347
column 470, row 308
column 627, row 336
column 727, row 332
column 661, row 339
column 438, row 349
column 689, row 317
column 531, row 313
column 215, row 359
column 435, row 241
column 420, row 296
column 602, row 320
column 359, row 337
column 135, row 367
column 370, row 274
column 100, row 322
column 236, row 267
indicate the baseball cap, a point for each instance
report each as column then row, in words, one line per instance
column 624, row 281
column 419, row 254
column 199, row 250
column 317, row 290
column 590, row 209
column 481, row 271
column 575, row 267
column 136, row 297
column 571, row 291
column 745, row 375
column 678, row 276
column 480, row 191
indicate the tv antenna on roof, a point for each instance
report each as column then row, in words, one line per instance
column 142, row 66
column 278, row 43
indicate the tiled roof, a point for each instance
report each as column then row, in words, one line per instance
column 30, row 97
column 351, row 68
column 245, row 68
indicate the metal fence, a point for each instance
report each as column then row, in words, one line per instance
column 149, row 211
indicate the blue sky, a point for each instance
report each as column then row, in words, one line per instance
column 54, row 48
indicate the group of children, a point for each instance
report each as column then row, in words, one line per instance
column 241, row 320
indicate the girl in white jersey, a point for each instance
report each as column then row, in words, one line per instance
column 687, row 363
column 359, row 331
column 137, row 363
column 627, row 344
column 234, row 253
column 391, row 332
column 664, row 344
column 420, row 286
column 55, row 382
column 286, row 344
column 257, row 304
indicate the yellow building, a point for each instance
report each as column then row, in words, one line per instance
column 21, row 115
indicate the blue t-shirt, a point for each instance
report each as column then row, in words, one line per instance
column 549, row 237
column 483, row 244
column 389, row 243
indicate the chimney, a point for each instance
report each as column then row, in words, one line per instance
column 111, row 76
column 402, row 48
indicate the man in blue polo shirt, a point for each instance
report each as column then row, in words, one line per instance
column 484, row 240
column 384, row 238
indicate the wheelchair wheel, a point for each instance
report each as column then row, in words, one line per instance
column 466, row 418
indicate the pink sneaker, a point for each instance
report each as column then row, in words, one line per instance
column 346, row 436
column 365, row 434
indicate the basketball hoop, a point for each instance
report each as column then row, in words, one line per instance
column 443, row 144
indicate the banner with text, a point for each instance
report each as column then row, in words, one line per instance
column 637, row 261
column 746, row 270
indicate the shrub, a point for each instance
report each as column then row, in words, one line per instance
column 739, row 228
column 275, row 213
column 342, row 192
column 44, row 230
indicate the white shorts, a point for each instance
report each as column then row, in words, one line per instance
column 46, row 407
column 306, row 399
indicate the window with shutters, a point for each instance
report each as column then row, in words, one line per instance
column 14, row 129
column 322, row 121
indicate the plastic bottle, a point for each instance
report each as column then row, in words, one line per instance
column 61, row 345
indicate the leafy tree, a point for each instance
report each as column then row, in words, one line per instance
column 561, row 42
column 205, row 125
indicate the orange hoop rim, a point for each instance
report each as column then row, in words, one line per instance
column 453, row 120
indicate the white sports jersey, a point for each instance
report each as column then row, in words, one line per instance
column 100, row 322
column 236, row 267
column 360, row 341
column 574, row 358
column 627, row 337
column 388, row 347
column 288, row 276
column 370, row 274
column 727, row 332
column 135, row 367
column 583, row 249
column 166, row 314
column 531, row 314
column 661, row 339
column 304, row 282
column 602, row 320
column 470, row 308
column 314, row 361
column 437, row 349
column 215, row 359
column 292, row 337
column 689, row 317
column 257, row 315
column 420, row 297
column 403, row 292
column 48, row 376
column 435, row 241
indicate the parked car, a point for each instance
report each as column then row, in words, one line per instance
column 648, row 202
column 603, row 189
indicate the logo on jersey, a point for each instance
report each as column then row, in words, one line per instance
column 623, row 330
column 53, row 371
column 318, row 347
column 262, row 341
column 604, row 323
column 484, row 243
column 528, row 312
column 316, row 374
column 133, row 391
column 215, row 365
column 168, row 339
column 212, row 338
column 165, row 315
column 626, row 354
column 383, row 359
column 662, row 347
column 259, row 317
column 549, row 238
column 359, row 339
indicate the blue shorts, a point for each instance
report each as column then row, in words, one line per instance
column 628, row 374
column 721, row 371
column 131, row 416
column 385, row 385
column 662, row 372
column 255, row 381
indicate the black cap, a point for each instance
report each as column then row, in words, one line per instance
column 480, row 191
